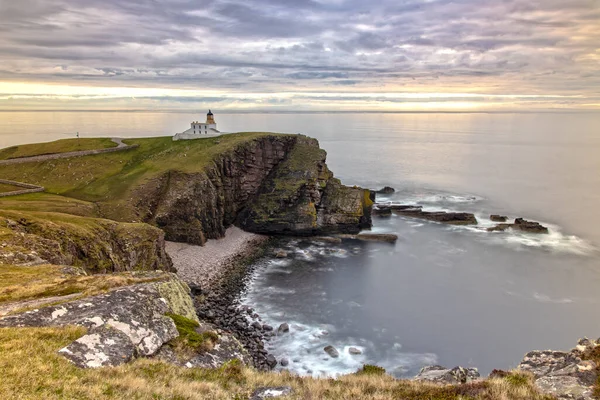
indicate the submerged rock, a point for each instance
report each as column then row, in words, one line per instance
column 521, row 225
column 382, row 211
column 332, row 351
column 452, row 218
column 354, row 351
column 378, row 237
column 498, row 218
column 439, row 374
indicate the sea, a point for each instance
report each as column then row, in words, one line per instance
column 448, row 295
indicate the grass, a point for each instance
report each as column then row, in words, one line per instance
column 32, row 369
column 50, row 203
column 111, row 178
column 4, row 188
column 58, row 146
column 18, row 283
column 189, row 338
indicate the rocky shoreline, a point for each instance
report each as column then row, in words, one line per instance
column 217, row 274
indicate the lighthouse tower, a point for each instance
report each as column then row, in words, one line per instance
column 210, row 119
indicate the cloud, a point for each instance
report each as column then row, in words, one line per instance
column 488, row 46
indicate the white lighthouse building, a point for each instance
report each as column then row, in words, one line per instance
column 200, row 129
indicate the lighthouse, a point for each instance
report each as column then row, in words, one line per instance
column 200, row 129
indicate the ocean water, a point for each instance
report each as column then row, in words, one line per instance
column 442, row 294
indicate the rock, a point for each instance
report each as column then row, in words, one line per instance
column 561, row 374
column 354, row 351
column 102, row 347
column 499, row 228
column 439, row 374
column 284, row 362
column 452, row 218
column 332, row 351
column 283, row 328
column 521, row 225
column 267, row 328
column 382, row 211
column 498, row 218
column 529, row 226
column 271, row 392
column 281, row 254
column 498, row 373
column 195, row 289
column 227, row 348
column 271, row 361
column 138, row 311
column 377, row 237
column 386, row 190
column 257, row 326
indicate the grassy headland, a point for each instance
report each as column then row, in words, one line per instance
column 58, row 146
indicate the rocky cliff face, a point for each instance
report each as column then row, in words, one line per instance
column 97, row 245
column 273, row 184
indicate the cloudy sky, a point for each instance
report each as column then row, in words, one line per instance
column 300, row 54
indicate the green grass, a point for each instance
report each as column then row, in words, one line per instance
column 111, row 178
column 59, row 146
column 49, row 202
column 189, row 338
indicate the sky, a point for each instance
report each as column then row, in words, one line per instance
column 300, row 55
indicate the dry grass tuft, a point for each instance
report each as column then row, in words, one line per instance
column 21, row 283
column 33, row 370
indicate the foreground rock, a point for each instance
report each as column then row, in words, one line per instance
column 565, row 375
column 135, row 312
column 521, row 225
column 439, row 374
column 452, row 218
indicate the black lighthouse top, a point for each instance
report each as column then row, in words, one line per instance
column 209, row 112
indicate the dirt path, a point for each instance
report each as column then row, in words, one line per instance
column 120, row 147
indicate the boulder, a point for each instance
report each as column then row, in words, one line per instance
column 271, row 392
column 281, row 254
column 562, row 374
column 499, row 228
column 284, row 362
column 137, row 311
column 354, row 351
column 102, row 347
column 271, row 361
column 439, row 374
column 283, row 328
column 386, row 190
column 332, row 351
column 498, row 218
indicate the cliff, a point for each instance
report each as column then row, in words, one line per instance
column 274, row 184
column 96, row 245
